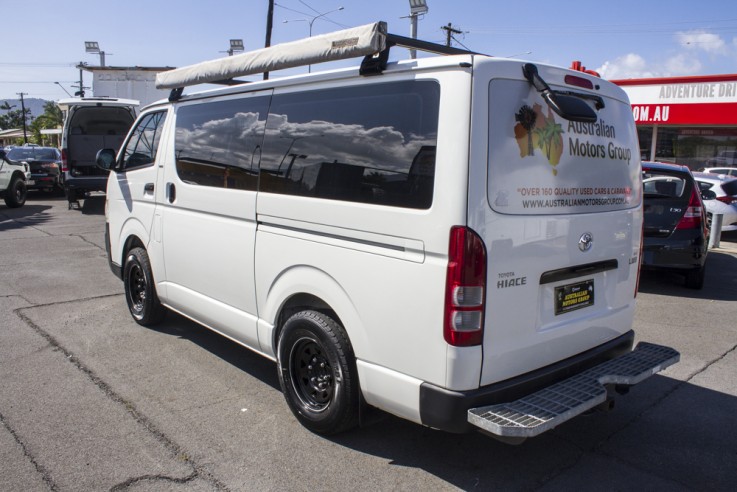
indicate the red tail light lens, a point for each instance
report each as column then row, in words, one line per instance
column 465, row 288
column 64, row 166
column 728, row 199
column 692, row 218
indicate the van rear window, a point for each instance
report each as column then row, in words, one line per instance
column 542, row 164
column 370, row 144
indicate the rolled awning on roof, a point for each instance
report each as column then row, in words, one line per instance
column 349, row 43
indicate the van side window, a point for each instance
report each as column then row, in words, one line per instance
column 219, row 143
column 144, row 141
column 370, row 144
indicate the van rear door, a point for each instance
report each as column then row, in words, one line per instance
column 558, row 205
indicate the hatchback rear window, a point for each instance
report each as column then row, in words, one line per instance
column 656, row 185
column 730, row 187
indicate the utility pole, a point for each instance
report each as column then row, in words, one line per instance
column 449, row 32
column 269, row 25
column 80, row 92
column 23, row 114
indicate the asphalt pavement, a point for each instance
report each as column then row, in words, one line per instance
column 89, row 400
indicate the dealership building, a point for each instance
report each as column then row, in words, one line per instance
column 686, row 120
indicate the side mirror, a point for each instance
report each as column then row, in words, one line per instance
column 105, row 159
column 708, row 195
column 2, row 155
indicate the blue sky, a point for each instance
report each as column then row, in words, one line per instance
column 620, row 38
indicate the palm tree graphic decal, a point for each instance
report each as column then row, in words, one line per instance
column 547, row 136
column 534, row 129
column 526, row 117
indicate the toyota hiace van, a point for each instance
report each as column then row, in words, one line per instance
column 454, row 239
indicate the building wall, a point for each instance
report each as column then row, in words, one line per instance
column 128, row 84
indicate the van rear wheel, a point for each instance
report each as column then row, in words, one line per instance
column 317, row 373
column 140, row 291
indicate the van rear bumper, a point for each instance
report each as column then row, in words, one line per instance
column 448, row 410
column 551, row 406
column 86, row 183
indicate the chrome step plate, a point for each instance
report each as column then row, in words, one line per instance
column 549, row 407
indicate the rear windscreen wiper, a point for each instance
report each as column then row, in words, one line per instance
column 568, row 104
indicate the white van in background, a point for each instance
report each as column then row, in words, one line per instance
column 91, row 124
column 454, row 240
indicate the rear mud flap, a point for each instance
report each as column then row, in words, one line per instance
column 541, row 411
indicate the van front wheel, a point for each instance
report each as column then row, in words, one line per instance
column 317, row 373
column 140, row 291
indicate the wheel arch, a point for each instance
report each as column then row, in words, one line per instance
column 17, row 174
column 135, row 234
column 303, row 288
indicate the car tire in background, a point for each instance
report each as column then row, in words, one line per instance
column 16, row 193
column 695, row 278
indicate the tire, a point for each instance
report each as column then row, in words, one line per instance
column 695, row 278
column 16, row 193
column 317, row 373
column 140, row 290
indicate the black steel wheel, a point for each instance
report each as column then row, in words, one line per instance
column 16, row 193
column 140, row 291
column 317, row 372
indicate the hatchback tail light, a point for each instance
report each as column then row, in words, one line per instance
column 465, row 288
column 692, row 218
column 728, row 199
column 64, row 166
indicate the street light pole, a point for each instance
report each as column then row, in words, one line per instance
column 23, row 115
column 62, row 88
column 311, row 21
column 416, row 9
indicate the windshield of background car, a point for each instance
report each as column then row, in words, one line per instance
column 20, row 154
column 661, row 184
column 542, row 164
column 33, row 154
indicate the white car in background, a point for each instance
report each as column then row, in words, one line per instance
column 725, row 203
column 727, row 171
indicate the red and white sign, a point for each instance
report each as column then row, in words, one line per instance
column 698, row 100
column 686, row 114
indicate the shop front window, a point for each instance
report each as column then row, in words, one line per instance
column 695, row 147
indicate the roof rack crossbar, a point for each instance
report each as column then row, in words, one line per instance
column 419, row 44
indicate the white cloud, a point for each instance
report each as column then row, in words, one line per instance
column 702, row 41
column 634, row 66
column 694, row 53
column 629, row 66
column 682, row 64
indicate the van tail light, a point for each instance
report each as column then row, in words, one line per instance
column 692, row 218
column 465, row 288
column 64, row 166
column 728, row 199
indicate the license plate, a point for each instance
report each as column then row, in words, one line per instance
column 30, row 182
column 574, row 296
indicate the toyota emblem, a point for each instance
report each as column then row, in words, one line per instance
column 586, row 241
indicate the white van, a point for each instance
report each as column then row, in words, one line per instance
column 454, row 240
column 90, row 124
